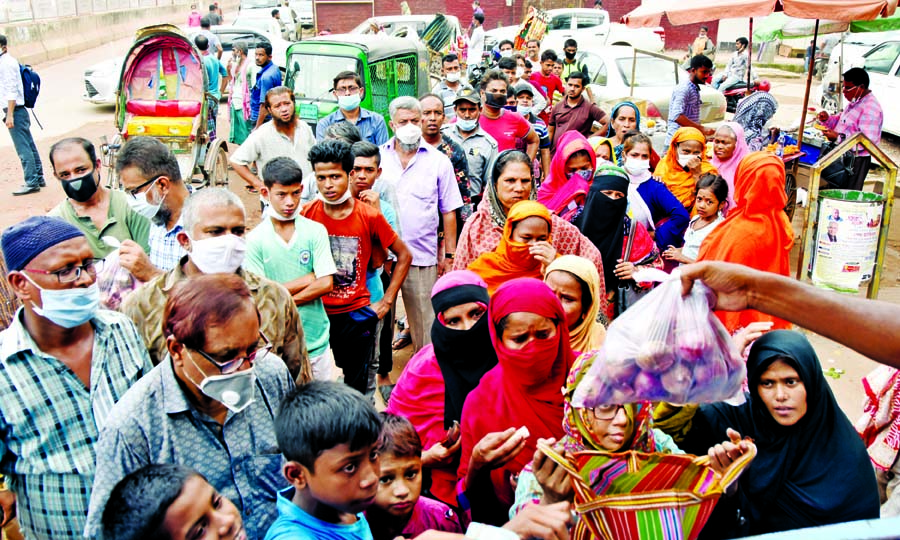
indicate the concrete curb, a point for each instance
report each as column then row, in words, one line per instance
column 37, row 42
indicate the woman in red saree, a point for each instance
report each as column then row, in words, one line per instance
column 571, row 173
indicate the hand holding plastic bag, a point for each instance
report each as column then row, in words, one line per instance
column 666, row 347
column 114, row 281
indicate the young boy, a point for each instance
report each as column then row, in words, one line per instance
column 398, row 508
column 169, row 502
column 294, row 251
column 366, row 173
column 547, row 81
column 353, row 229
column 328, row 434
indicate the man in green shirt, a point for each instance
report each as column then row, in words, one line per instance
column 99, row 212
column 296, row 252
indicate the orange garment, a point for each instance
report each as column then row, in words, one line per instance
column 682, row 184
column 512, row 259
column 757, row 233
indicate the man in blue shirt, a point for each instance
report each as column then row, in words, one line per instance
column 684, row 107
column 214, row 73
column 268, row 77
column 349, row 91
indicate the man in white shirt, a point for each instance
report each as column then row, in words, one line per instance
column 286, row 135
column 476, row 42
column 12, row 94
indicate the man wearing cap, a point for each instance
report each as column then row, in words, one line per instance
column 479, row 147
column 526, row 105
column 65, row 364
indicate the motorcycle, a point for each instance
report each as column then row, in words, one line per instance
column 737, row 91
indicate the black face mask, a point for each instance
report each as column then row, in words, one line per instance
column 494, row 101
column 570, row 55
column 81, row 189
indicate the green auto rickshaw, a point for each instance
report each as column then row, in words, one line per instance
column 389, row 67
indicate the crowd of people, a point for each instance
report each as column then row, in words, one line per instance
column 173, row 373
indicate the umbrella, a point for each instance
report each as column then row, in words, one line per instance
column 877, row 25
column 780, row 26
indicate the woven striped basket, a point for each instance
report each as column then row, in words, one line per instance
column 635, row 495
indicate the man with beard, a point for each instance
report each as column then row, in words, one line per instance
column 152, row 181
column 427, row 192
column 94, row 209
column 432, row 121
column 285, row 135
column 684, row 106
column 575, row 112
column 267, row 78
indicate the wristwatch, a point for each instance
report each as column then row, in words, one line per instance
column 449, row 255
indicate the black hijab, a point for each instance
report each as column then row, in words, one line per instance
column 816, row 472
column 603, row 220
column 464, row 356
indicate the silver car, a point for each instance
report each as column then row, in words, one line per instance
column 655, row 76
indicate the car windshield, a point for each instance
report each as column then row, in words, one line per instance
column 649, row 71
column 255, row 4
column 305, row 74
column 261, row 25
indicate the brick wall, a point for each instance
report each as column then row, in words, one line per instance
column 341, row 17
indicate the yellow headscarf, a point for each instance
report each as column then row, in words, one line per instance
column 682, row 183
column 589, row 334
column 597, row 142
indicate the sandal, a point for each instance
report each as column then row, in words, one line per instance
column 252, row 189
column 385, row 392
column 401, row 341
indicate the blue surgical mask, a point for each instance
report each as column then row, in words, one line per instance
column 68, row 307
column 349, row 103
column 523, row 110
column 466, row 125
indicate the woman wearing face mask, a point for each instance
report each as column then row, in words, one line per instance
column 811, row 468
column 684, row 164
column 757, row 233
column 575, row 281
column 603, row 149
column 753, row 112
column 511, row 182
column 729, row 148
column 605, row 220
column 434, row 384
column 529, row 333
column 242, row 74
column 651, row 201
column 524, row 250
column 571, row 173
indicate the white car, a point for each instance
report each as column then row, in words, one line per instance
column 101, row 81
column 304, row 11
column 262, row 9
column 591, row 28
column 610, row 71
column 855, row 46
column 883, row 65
column 406, row 25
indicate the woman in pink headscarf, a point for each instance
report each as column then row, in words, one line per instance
column 571, row 173
column 729, row 148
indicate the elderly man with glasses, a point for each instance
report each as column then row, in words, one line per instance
column 65, row 364
column 210, row 405
column 213, row 236
column 349, row 92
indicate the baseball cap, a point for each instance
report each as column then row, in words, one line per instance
column 468, row 94
column 523, row 88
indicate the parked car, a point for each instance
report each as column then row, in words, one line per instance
column 262, row 9
column 102, row 79
column 855, row 46
column 405, row 25
column 655, row 76
column 882, row 63
column 304, row 11
column 591, row 28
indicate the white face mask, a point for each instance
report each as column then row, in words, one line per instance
column 344, row 198
column 636, row 166
column 519, row 72
column 408, row 134
column 506, row 54
column 453, row 76
column 272, row 213
column 234, row 390
column 220, row 254
column 683, row 159
column 140, row 205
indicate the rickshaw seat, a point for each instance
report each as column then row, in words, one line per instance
column 172, row 108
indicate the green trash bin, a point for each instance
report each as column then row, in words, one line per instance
column 848, row 227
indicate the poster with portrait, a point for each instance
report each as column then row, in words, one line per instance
column 846, row 243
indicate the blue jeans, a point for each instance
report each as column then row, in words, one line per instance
column 24, row 143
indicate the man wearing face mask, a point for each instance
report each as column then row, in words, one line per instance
column 96, row 210
column 285, row 135
column 505, row 49
column 426, row 191
column 450, row 86
column 152, row 180
column 210, row 405
column 349, row 91
column 863, row 114
column 514, row 68
column 507, row 128
column 526, row 105
column 66, row 363
column 479, row 147
column 213, row 236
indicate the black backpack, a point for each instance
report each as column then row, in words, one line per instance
column 31, row 84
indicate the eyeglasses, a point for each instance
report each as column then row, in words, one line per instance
column 72, row 273
column 230, row 366
column 346, row 91
column 134, row 192
column 606, row 412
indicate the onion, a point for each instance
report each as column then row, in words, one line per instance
column 656, row 361
column 648, row 387
column 619, row 372
column 677, row 381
